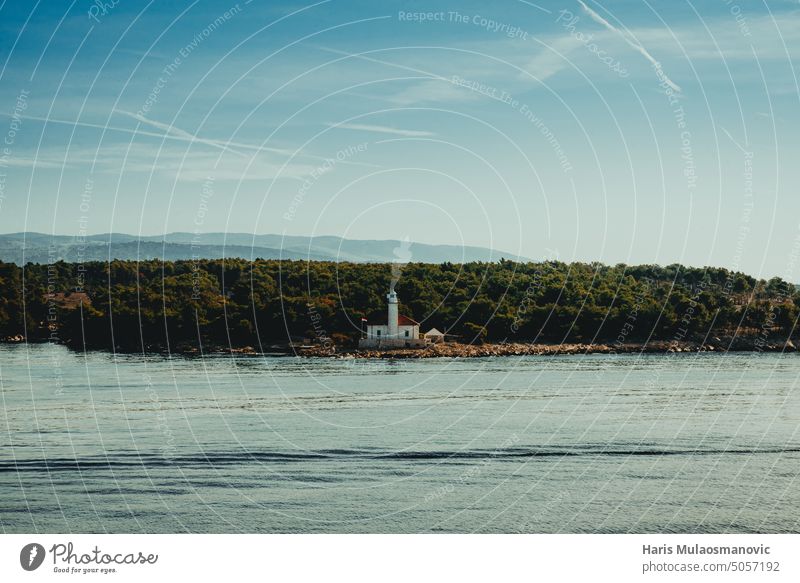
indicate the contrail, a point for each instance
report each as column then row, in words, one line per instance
column 632, row 43
column 179, row 133
column 735, row 143
column 184, row 136
column 382, row 129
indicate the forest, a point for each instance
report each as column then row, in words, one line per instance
column 200, row 304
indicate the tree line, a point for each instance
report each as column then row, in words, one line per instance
column 153, row 304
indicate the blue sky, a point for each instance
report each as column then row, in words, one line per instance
column 538, row 128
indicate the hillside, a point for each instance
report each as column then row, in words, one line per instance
column 202, row 304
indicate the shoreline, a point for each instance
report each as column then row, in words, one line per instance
column 456, row 350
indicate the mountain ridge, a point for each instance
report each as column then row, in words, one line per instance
column 35, row 247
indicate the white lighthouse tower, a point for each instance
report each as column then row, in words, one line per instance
column 392, row 322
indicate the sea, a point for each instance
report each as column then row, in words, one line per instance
column 98, row 442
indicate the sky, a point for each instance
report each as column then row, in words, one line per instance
column 619, row 131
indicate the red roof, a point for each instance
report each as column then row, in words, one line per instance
column 406, row 321
column 401, row 321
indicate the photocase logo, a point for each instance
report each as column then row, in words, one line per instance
column 31, row 556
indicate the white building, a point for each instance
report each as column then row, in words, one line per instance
column 434, row 336
column 398, row 332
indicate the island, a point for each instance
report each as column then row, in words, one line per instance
column 326, row 308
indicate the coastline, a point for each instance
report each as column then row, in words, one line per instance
column 738, row 344
column 455, row 350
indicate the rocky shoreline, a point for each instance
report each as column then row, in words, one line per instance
column 454, row 350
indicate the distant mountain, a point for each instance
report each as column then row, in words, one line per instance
column 41, row 248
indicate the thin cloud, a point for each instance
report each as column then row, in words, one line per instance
column 552, row 60
column 31, row 163
column 177, row 134
column 382, row 130
column 437, row 88
column 181, row 134
column 627, row 38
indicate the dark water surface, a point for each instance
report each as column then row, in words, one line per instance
column 681, row 443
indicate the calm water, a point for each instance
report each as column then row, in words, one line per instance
column 683, row 443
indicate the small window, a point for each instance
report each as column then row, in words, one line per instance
column 406, row 333
column 379, row 332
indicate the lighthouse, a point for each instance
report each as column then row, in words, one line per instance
column 393, row 315
column 399, row 331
